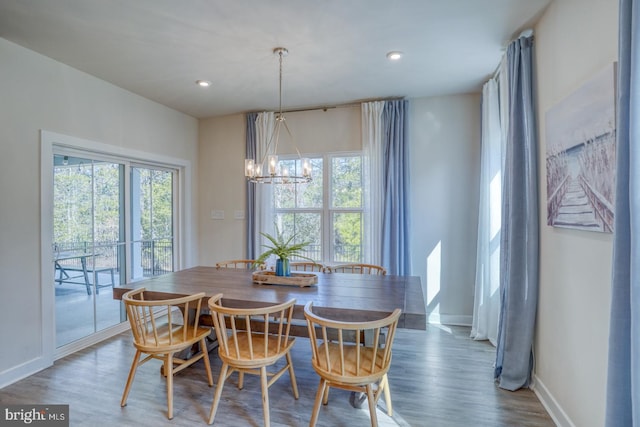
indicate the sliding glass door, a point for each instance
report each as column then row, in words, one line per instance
column 88, row 243
column 97, row 203
column 151, row 221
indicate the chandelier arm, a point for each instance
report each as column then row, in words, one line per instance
column 276, row 129
column 286, row 127
column 276, row 133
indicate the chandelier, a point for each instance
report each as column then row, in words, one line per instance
column 267, row 170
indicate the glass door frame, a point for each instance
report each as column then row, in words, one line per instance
column 91, row 249
column 51, row 143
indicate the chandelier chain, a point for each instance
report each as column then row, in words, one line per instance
column 280, row 93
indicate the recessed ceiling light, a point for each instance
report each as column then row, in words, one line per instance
column 394, row 56
column 203, row 83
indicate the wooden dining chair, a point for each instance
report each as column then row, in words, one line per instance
column 247, row 264
column 250, row 340
column 162, row 328
column 359, row 268
column 306, row 266
column 342, row 360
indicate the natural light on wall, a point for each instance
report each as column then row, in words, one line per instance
column 434, row 267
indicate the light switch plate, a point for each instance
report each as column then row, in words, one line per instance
column 238, row 214
column 217, row 214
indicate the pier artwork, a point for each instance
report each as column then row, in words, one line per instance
column 580, row 196
column 581, row 157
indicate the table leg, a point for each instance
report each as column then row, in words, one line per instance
column 83, row 260
column 58, row 267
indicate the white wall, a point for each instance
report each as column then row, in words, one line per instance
column 221, row 152
column 37, row 93
column 445, row 165
column 574, row 41
column 221, row 156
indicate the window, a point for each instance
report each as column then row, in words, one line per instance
column 328, row 211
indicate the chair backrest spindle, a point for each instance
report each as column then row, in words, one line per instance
column 266, row 329
column 358, row 268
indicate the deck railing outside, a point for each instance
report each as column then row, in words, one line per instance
column 156, row 256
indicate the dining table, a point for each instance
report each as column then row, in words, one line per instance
column 340, row 296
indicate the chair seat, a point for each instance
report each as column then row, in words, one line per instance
column 171, row 341
column 247, row 358
column 352, row 374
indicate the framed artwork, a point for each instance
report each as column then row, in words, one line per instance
column 581, row 156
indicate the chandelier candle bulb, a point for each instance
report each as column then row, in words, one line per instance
column 272, row 159
column 306, row 168
column 249, row 167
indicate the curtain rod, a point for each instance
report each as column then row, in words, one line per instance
column 524, row 33
column 330, row 107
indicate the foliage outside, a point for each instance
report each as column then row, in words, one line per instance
column 87, row 212
column 300, row 209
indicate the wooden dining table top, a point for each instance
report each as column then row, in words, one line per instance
column 343, row 296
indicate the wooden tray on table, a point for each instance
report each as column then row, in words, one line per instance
column 296, row 279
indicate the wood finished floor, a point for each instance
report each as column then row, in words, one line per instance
column 438, row 378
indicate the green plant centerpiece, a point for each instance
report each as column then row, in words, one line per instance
column 284, row 249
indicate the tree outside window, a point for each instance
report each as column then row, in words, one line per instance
column 327, row 211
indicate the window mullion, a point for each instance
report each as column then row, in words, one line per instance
column 326, row 206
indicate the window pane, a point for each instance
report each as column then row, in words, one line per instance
column 306, row 227
column 346, row 182
column 347, row 237
column 161, row 193
column 72, row 203
column 107, row 202
column 308, row 195
column 151, row 222
column 285, row 195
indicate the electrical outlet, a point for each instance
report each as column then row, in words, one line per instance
column 238, row 214
column 217, row 214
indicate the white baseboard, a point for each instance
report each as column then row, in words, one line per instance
column 22, row 371
column 550, row 404
column 33, row 366
column 91, row 340
column 450, row 319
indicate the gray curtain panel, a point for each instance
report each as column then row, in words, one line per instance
column 520, row 239
column 250, row 212
column 623, row 382
column 395, row 217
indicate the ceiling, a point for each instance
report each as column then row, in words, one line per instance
column 337, row 48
